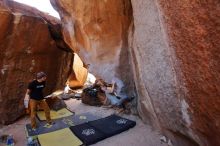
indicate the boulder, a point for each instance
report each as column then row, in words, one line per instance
column 97, row 31
column 26, row 47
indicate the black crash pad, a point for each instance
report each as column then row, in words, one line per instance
column 87, row 134
column 112, row 125
column 94, row 131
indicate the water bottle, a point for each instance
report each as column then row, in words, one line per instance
column 32, row 142
column 10, row 141
column 29, row 140
column 26, row 100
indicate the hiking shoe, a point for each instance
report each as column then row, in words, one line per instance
column 48, row 125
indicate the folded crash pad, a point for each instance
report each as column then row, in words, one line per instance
column 112, row 125
column 55, row 114
column 87, row 134
column 63, row 137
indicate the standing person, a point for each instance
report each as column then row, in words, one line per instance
column 35, row 91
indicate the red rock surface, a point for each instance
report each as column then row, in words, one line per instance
column 175, row 51
column 79, row 73
column 97, row 31
column 26, row 47
column 194, row 31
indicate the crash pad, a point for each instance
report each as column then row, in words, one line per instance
column 57, row 125
column 112, row 125
column 97, row 130
column 63, row 137
column 87, row 134
column 60, row 123
column 55, row 114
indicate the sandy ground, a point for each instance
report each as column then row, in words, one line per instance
column 140, row 135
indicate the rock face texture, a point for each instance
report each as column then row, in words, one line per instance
column 160, row 88
column 97, row 31
column 193, row 28
column 168, row 49
column 79, row 73
column 26, row 47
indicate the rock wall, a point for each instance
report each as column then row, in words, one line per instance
column 175, row 51
column 169, row 49
column 161, row 92
column 26, row 47
column 97, row 31
column 193, row 28
column 155, row 77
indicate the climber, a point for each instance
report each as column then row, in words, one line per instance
column 67, row 89
column 35, row 92
column 115, row 93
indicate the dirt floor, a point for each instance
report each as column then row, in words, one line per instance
column 140, row 135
